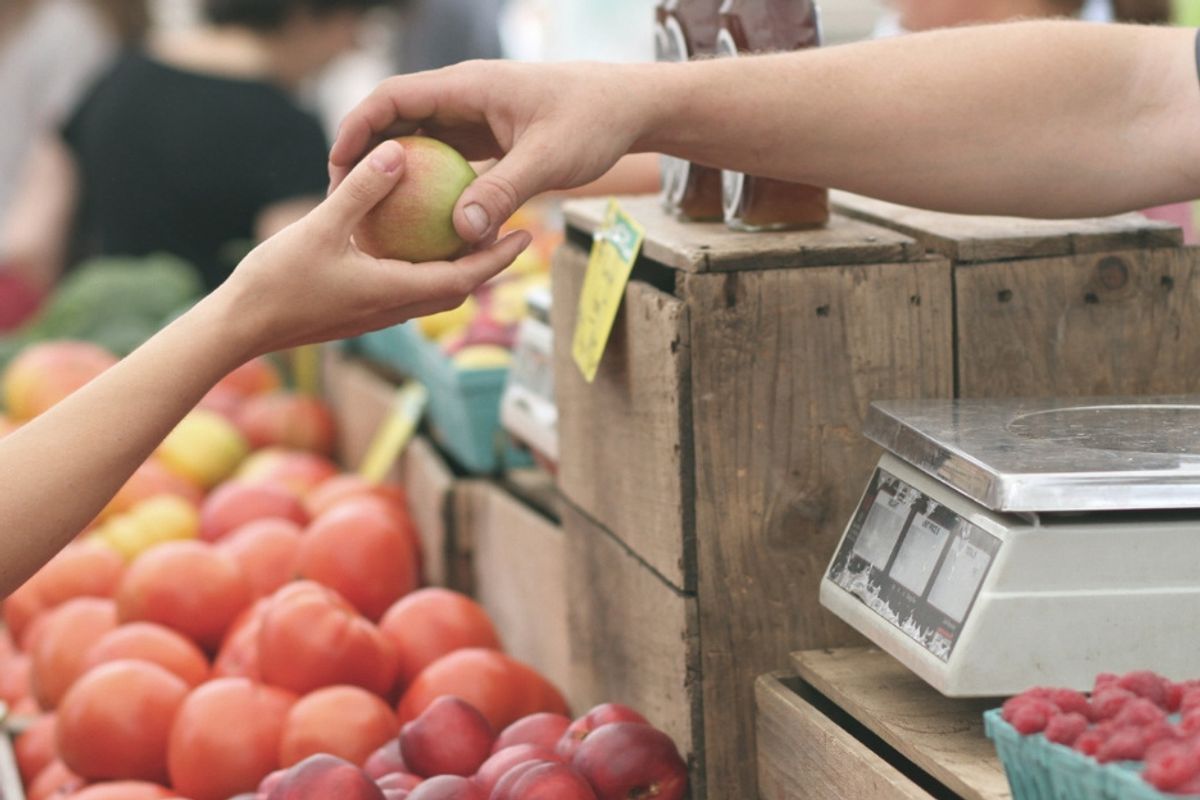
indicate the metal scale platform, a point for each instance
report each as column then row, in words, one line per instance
column 1005, row 544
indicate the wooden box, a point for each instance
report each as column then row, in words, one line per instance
column 518, row 574
column 855, row 723
column 711, row 467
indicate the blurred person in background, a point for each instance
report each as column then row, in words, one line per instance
column 50, row 52
column 438, row 33
column 194, row 145
column 914, row 16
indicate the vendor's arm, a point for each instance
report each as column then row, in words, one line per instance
column 309, row 283
column 1033, row 118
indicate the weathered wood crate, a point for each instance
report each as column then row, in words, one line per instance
column 710, row 468
column 854, row 723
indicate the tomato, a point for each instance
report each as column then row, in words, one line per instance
column 15, row 674
column 151, row 479
column 35, row 747
column 503, row 689
column 287, row 419
column 114, row 722
column 256, row 376
column 20, row 609
column 311, row 638
column 267, row 551
column 295, row 469
column 429, row 623
column 344, row 721
column 235, row 503
column 85, row 569
column 344, row 487
column 123, row 790
column 58, row 658
column 54, row 781
column 187, row 586
column 238, row 656
column 359, row 549
column 154, row 643
column 211, row 759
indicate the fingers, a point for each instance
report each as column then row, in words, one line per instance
column 363, row 188
column 497, row 194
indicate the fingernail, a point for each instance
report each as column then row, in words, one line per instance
column 387, row 157
column 477, row 219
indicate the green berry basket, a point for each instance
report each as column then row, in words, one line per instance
column 1039, row 769
column 464, row 404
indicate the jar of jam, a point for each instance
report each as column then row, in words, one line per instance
column 688, row 29
column 754, row 203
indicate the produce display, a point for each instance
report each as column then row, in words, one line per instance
column 1139, row 720
column 243, row 620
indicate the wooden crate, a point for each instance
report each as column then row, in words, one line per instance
column 518, row 574
column 361, row 399
column 1062, row 307
column 854, row 723
column 719, row 450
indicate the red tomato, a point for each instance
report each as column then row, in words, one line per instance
column 359, row 549
column 268, row 552
column 429, row 623
column 58, row 658
column 311, row 638
column 344, row 721
column 15, row 681
column 294, row 469
column 54, row 781
column 238, row 656
column 154, row 643
column 187, row 586
column 114, row 722
column 257, row 376
column 226, row 736
column 20, row 609
column 35, row 748
column 151, row 480
column 234, row 504
column 287, row 419
column 123, row 790
column 344, row 487
column 504, row 690
column 85, row 569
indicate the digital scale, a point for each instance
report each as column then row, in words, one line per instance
column 1004, row 544
column 527, row 408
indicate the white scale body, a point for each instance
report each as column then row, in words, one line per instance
column 527, row 409
column 1007, row 544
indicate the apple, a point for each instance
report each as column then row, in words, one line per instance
column 415, row 222
column 447, row 787
column 602, row 714
column 505, row 788
column 554, row 782
column 398, row 780
column 385, row 761
column 500, row 762
column 543, row 728
column 323, row 776
column 450, row 737
column 631, row 760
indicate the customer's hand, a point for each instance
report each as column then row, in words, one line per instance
column 310, row 282
column 552, row 127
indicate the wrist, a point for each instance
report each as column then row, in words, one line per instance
column 229, row 326
column 660, row 104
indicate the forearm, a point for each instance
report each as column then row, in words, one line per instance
column 60, row 469
column 34, row 233
column 1039, row 118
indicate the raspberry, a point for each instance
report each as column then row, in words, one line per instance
column 1066, row 728
column 1157, row 732
column 1169, row 766
column 1033, row 716
column 1191, row 699
column 1190, row 723
column 1139, row 712
column 1069, row 700
column 1109, row 701
column 1147, row 684
column 1174, row 693
column 1009, row 709
column 1124, row 745
column 1192, row 787
column 1090, row 741
column 1104, row 679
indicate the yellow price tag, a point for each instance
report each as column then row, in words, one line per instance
column 396, row 432
column 306, row 368
column 614, row 250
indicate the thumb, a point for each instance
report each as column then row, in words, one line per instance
column 496, row 195
column 363, row 188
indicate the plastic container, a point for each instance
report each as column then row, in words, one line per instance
column 1039, row 769
column 464, row 404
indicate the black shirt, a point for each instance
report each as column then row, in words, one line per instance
column 182, row 162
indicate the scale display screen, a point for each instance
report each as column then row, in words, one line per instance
column 914, row 561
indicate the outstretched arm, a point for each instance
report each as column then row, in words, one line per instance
column 307, row 284
column 1033, row 118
